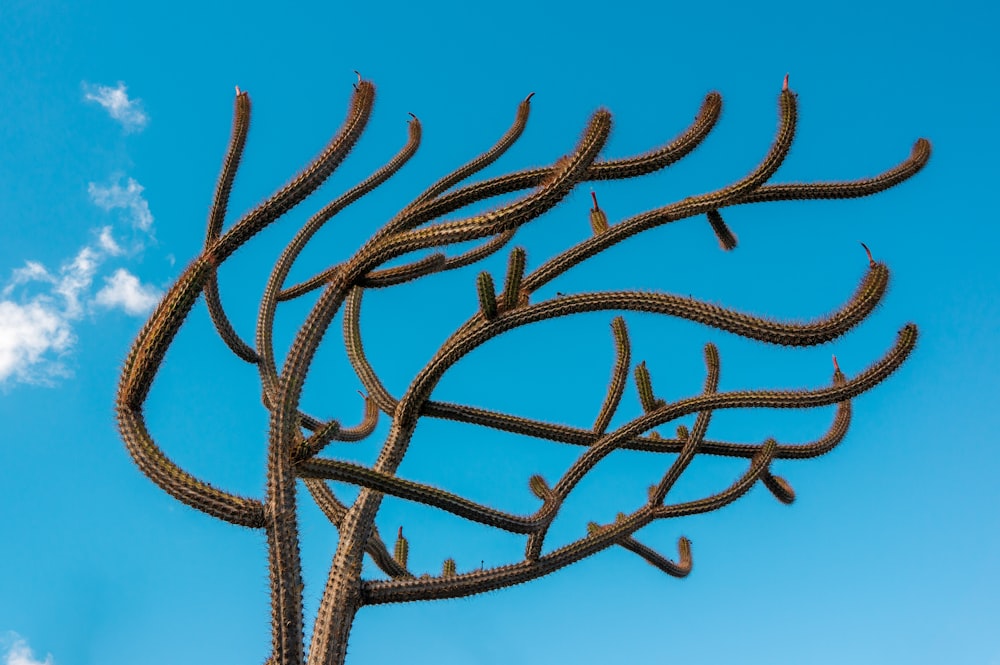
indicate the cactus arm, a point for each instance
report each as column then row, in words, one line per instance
column 178, row 483
column 428, row 265
column 356, row 354
column 584, row 437
column 619, row 376
column 906, row 169
column 680, row 569
column 483, row 160
column 217, row 216
column 362, row 476
column 865, row 298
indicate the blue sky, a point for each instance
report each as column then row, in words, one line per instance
column 113, row 125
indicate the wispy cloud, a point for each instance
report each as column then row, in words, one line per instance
column 115, row 101
column 17, row 651
column 129, row 199
column 124, row 290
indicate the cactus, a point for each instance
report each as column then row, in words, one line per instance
column 428, row 227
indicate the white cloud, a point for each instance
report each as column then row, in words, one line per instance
column 19, row 653
column 116, row 102
column 107, row 243
column 75, row 279
column 31, row 272
column 29, row 336
column 124, row 290
column 128, row 198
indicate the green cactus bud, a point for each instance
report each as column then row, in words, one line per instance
column 487, row 295
column 644, row 384
column 448, row 570
column 512, row 284
column 593, row 527
column 598, row 220
column 539, row 487
column 682, row 432
column 402, row 549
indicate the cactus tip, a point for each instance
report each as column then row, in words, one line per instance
column 400, row 534
column 238, row 91
column 530, row 95
column 411, row 115
column 871, row 261
column 593, row 195
column 784, row 84
column 358, row 75
column 836, row 365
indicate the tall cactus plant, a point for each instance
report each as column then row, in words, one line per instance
column 298, row 442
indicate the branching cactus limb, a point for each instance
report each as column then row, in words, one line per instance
column 297, row 440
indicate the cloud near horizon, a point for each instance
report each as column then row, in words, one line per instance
column 128, row 112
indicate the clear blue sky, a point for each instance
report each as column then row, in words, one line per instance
column 114, row 120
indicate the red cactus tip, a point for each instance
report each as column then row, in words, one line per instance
column 784, row 85
column 238, row 91
column 871, row 261
column 836, row 365
column 593, row 195
column 400, row 535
